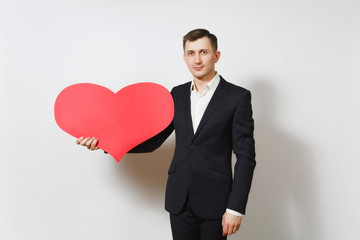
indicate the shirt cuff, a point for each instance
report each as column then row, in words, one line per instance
column 234, row 212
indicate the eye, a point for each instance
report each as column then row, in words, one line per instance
column 203, row 52
column 190, row 53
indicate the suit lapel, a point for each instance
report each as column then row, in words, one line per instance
column 187, row 102
column 219, row 94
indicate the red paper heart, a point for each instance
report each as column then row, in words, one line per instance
column 119, row 120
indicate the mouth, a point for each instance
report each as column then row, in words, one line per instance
column 198, row 68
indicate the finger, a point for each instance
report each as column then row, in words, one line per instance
column 230, row 230
column 225, row 229
column 93, row 144
column 79, row 140
column 96, row 148
column 236, row 227
column 88, row 143
column 84, row 141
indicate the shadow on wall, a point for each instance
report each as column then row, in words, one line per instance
column 148, row 172
column 283, row 199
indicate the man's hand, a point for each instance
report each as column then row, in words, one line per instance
column 90, row 143
column 230, row 223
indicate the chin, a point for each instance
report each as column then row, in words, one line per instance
column 198, row 75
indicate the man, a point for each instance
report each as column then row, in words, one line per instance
column 212, row 118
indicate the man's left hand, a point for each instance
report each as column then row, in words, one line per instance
column 230, row 223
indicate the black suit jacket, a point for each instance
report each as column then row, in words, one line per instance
column 201, row 165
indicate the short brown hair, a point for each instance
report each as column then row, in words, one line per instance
column 196, row 34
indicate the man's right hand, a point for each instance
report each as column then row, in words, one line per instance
column 90, row 143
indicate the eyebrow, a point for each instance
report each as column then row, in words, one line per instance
column 205, row 49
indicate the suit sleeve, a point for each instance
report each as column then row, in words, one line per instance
column 244, row 149
column 154, row 142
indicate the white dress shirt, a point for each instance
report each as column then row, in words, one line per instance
column 199, row 102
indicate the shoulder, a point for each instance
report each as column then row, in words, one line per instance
column 181, row 89
column 182, row 86
column 234, row 89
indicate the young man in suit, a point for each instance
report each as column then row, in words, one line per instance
column 212, row 118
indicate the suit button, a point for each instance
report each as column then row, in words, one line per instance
column 192, row 146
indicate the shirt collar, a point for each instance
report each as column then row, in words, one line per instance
column 211, row 85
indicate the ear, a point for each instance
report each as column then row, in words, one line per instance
column 217, row 56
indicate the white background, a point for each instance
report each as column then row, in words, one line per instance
column 300, row 59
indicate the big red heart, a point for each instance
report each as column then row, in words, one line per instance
column 119, row 120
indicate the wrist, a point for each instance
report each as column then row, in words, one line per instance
column 232, row 212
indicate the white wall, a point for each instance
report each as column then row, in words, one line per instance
column 300, row 59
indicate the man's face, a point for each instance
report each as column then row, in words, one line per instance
column 200, row 58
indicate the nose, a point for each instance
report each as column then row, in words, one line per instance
column 197, row 58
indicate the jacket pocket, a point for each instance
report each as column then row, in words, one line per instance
column 219, row 176
column 172, row 168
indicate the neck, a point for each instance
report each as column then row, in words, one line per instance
column 201, row 83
